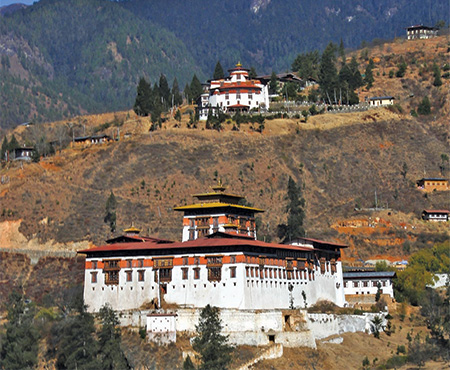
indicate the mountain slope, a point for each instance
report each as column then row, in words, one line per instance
column 268, row 34
column 60, row 58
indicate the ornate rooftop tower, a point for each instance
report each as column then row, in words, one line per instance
column 218, row 211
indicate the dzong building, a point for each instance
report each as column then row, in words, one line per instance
column 219, row 262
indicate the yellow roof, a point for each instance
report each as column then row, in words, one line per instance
column 132, row 229
column 218, row 194
column 215, row 205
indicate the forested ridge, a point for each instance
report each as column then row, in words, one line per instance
column 62, row 58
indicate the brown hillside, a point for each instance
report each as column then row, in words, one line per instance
column 341, row 160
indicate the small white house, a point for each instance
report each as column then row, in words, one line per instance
column 381, row 101
column 439, row 215
column 366, row 282
column 420, row 32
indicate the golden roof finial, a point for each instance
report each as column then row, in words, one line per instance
column 239, row 65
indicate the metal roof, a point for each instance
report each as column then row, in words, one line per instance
column 369, row 274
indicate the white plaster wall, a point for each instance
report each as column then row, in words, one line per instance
column 241, row 292
column 372, row 287
column 441, row 280
column 324, row 325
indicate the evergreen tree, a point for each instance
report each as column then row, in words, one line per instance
column 74, row 341
column 424, row 107
column 273, row 84
column 5, row 148
column 111, row 355
column 177, row 98
column 307, row 65
column 213, row 347
column 296, row 214
column 110, row 217
column 218, row 72
column 164, row 92
column 188, row 365
column 252, row 73
column 19, row 347
column 13, row 143
column 356, row 79
column 143, row 96
column 342, row 51
column 328, row 77
column 401, row 68
column 187, row 94
column 437, row 75
column 368, row 79
column 178, row 115
column 196, row 88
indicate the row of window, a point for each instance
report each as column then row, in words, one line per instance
column 275, row 273
column 163, row 275
column 365, row 284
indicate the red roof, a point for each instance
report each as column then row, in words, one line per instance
column 198, row 243
column 436, row 211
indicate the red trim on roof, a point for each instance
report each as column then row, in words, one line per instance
column 436, row 211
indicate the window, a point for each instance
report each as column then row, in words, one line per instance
column 227, row 96
column 232, row 259
column 247, row 272
column 232, row 272
column 162, row 262
column 196, row 260
column 184, row 273
column 214, row 273
column 111, row 269
column 94, row 265
column 185, row 260
column 129, row 275
column 250, row 96
column 140, row 263
column 355, row 284
column 93, row 277
column 165, row 275
column 141, row 275
column 214, row 261
column 238, row 77
column 197, row 273
column 238, row 96
column 129, row 264
column 365, row 284
column 345, row 284
column 191, row 234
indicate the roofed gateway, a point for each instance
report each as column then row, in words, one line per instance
column 219, row 262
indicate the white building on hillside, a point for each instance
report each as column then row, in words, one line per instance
column 219, row 262
column 236, row 93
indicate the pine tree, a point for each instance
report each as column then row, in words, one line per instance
column 368, row 79
column 252, row 73
column 328, row 77
column 13, row 143
column 342, row 51
column 424, row 107
column 74, row 341
column 177, row 98
column 213, row 347
column 5, row 148
column 110, row 217
column 218, row 72
column 273, row 84
column 188, row 365
column 437, row 75
column 110, row 354
column 356, row 80
column 19, row 347
column 196, row 88
column 296, row 214
column 164, row 92
column 143, row 96
column 178, row 115
column 187, row 94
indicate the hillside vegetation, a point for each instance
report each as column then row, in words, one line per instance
column 342, row 160
column 60, row 59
